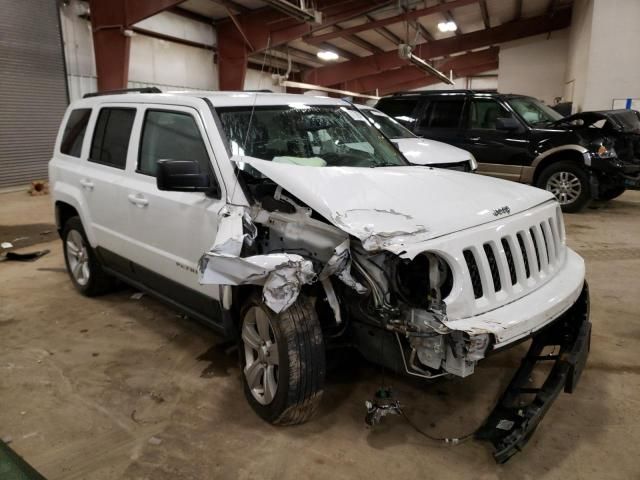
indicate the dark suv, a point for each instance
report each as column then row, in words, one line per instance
column 520, row 138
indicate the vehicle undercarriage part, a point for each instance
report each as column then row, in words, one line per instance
column 381, row 406
column 513, row 420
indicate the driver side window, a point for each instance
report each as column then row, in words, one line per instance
column 170, row 135
column 483, row 113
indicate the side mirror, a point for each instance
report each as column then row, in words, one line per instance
column 508, row 124
column 181, row 176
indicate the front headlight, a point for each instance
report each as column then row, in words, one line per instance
column 604, row 152
column 420, row 280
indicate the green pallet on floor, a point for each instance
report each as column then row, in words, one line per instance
column 13, row 467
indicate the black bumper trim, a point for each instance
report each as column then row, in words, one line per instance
column 511, row 424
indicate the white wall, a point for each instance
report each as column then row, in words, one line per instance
column 535, row 66
column 614, row 64
column 604, row 58
column 578, row 53
column 152, row 62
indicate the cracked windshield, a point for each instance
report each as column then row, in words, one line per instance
column 318, row 136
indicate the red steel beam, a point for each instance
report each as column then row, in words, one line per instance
column 403, row 17
column 382, row 81
column 423, row 82
column 372, row 64
column 109, row 20
column 269, row 28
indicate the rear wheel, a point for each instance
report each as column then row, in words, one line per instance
column 84, row 269
column 283, row 361
column 569, row 182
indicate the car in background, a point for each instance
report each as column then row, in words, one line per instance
column 519, row 138
column 420, row 151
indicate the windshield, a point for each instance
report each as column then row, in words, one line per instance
column 386, row 124
column 533, row 111
column 307, row 135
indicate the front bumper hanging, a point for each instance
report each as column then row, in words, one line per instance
column 512, row 422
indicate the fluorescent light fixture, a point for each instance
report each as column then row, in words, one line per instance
column 327, row 55
column 298, row 10
column 447, row 26
column 404, row 51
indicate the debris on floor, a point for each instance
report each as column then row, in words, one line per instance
column 6, row 245
column 155, row 441
column 137, row 296
column 39, row 187
column 23, row 257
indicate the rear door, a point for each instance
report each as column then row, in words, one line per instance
column 103, row 175
column 499, row 153
column 170, row 231
column 440, row 118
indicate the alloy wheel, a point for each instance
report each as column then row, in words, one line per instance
column 78, row 257
column 565, row 186
column 261, row 355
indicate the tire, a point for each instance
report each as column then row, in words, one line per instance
column 569, row 182
column 296, row 376
column 89, row 279
column 612, row 193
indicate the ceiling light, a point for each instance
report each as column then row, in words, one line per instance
column 327, row 55
column 447, row 26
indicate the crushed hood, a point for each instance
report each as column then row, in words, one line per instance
column 625, row 121
column 390, row 207
column 422, row 151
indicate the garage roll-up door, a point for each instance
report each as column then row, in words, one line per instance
column 33, row 90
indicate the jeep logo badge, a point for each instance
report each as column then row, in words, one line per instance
column 501, row 211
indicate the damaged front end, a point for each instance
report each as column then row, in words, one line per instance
column 407, row 297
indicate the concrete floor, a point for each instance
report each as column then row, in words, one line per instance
column 116, row 388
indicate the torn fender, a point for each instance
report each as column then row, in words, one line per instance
column 281, row 274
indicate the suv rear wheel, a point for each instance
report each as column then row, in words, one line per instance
column 83, row 266
column 569, row 183
column 283, row 361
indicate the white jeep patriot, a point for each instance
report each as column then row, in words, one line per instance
column 289, row 222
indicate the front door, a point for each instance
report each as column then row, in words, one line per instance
column 171, row 230
column 500, row 153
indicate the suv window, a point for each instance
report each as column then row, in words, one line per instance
column 400, row 108
column 483, row 113
column 443, row 113
column 74, row 132
column 111, row 136
column 170, row 135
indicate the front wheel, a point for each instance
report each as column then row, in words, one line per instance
column 569, row 182
column 283, row 361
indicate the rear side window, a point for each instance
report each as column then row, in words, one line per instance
column 170, row 136
column 400, row 108
column 443, row 113
column 74, row 132
column 111, row 136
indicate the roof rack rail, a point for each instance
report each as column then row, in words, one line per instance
column 124, row 90
column 264, row 90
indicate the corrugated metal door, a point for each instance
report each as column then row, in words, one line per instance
column 33, row 90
